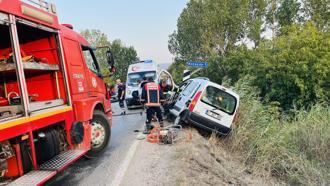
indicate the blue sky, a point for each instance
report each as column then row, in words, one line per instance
column 144, row 24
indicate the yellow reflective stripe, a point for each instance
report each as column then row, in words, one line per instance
column 152, row 104
column 33, row 118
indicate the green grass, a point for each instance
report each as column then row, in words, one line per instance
column 294, row 150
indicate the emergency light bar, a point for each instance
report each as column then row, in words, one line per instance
column 37, row 14
column 49, row 7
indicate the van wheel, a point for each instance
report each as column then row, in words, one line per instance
column 100, row 133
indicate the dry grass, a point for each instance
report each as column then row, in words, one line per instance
column 206, row 162
column 295, row 151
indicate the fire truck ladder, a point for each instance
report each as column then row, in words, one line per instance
column 49, row 169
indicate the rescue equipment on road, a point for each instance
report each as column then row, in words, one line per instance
column 169, row 134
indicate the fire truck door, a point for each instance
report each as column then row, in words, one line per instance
column 76, row 68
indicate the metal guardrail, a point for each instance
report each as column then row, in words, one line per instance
column 42, row 4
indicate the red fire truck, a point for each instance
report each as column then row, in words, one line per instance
column 54, row 105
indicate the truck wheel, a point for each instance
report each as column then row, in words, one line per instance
column 100, row 133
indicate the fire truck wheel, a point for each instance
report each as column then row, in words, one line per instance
column 100, row 133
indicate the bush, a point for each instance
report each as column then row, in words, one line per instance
column 295, row 150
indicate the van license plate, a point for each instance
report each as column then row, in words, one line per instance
column 213, row 114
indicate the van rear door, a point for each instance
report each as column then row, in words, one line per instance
column 218, row 105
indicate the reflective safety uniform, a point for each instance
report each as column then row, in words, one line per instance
column 151, row 97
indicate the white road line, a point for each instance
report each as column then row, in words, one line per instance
column 124, row 166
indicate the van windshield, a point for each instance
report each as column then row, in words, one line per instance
column 134, row 79
column 219, row 99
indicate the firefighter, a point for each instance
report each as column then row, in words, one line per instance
column 152, row 96
column 166, row 88
column 121, row 95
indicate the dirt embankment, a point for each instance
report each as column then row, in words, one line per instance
column 197, row 162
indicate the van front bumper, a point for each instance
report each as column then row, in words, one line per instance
column 206, row 124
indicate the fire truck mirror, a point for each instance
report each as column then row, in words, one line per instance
column 110, row 58
column 111, row 62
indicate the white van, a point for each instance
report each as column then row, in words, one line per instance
column 206, row 105
column 135, row 74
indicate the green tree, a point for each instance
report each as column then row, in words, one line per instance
column 176, row 69
column 294, row 69
column 256, row 14
column 287, row 12
column 282, row 13
column 317, row 11
column 186, row 42
column 291, row 69
column 209, row 30
column 97, row 39
column 124, row 56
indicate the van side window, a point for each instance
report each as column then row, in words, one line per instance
column 90, row 59
column 190, row 88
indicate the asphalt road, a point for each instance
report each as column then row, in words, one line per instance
column 102, row 170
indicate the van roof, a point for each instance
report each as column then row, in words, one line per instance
column 208, row 82
column 226, row 89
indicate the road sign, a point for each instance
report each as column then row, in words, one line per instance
column 198, row 64
column 148, row 61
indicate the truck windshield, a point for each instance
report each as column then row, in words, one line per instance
column 219, row 99
column 134, row 79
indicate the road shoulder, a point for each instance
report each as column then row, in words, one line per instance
column 151, row 165
column 196, row 162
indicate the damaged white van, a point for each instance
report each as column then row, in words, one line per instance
column 206, row 105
